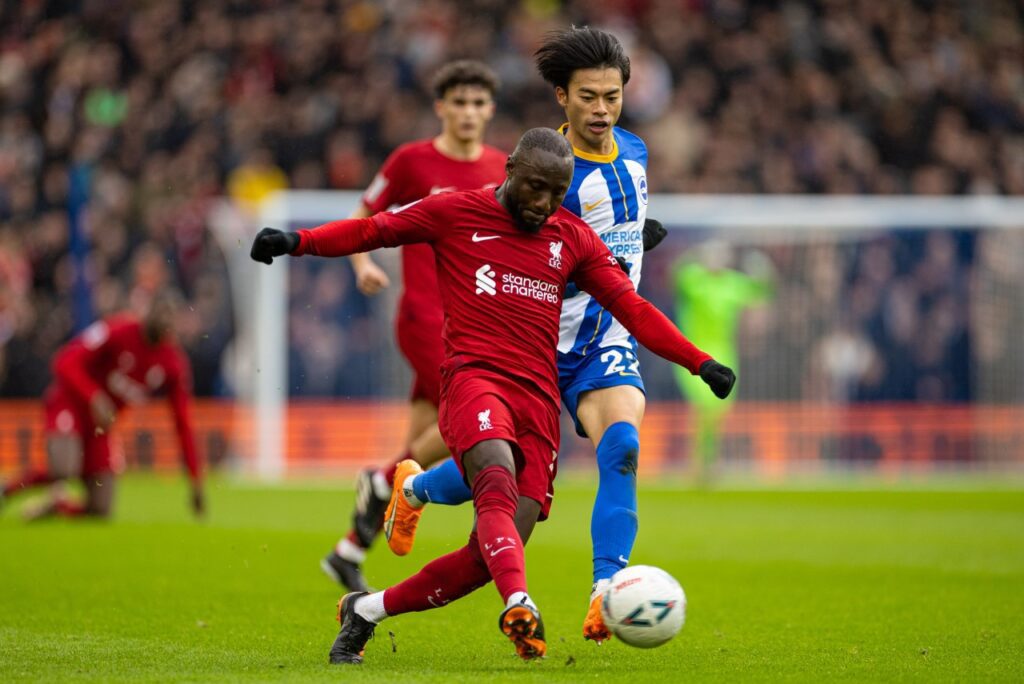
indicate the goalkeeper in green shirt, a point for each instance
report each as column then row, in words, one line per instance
column 709, row 299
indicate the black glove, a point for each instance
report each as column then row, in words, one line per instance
column 654, row 233
column 622, row 264
column 718, row 377
column 271, row 242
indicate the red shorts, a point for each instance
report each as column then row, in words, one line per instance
column 100, row 452
column 477, row 405
column 421, row 345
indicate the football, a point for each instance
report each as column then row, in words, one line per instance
column 644, row 606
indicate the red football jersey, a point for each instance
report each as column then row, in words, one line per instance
column 414, row 171
column 502, row 287
column 113, row 356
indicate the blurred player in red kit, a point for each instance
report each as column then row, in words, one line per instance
column 456, row 159
column 115, row 362
column 504, row 257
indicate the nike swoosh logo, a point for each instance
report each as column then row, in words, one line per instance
column 495, row 552
column 484, row 238
column 623, row 560
column 590, row 206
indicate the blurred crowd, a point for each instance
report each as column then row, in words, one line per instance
column 165, row 106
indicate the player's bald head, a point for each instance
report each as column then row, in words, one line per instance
column 543, row 139
column 543, row 151
column 539, row 173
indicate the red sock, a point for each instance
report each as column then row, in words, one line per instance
column 496, row 497
column 440, row 582
column 388, row 471
column 27, row 480
column 354, row 538
column 68, row 508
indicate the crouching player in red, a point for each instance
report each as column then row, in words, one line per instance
column 115, row 362
column 503, row 259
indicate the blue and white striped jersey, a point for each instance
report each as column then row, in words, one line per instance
column 609, row 192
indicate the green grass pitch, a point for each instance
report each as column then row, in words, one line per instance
column 854, row 584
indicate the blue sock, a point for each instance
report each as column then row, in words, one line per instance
column 613, row 524
column 443, row 485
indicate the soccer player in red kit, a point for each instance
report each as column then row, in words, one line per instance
column 115, row 362
column 504, row 257
column 456, row 159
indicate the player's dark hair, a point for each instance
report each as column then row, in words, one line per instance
column 566, row 51
column 464, row 72
column 547, row 139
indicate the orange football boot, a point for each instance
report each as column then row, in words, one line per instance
column 400, row 518
column 594, row 628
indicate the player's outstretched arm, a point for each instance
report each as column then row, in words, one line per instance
column 598, row 273
column 656, row 332
column 270, row 243
column 600, row 276
column 334, row 239
column 414, row 223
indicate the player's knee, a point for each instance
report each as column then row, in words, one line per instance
column 490, row 452
column 619, row 450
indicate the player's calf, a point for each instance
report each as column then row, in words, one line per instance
column 613, row 523
column 371, row 500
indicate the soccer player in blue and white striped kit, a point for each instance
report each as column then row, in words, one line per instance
column 599, row 375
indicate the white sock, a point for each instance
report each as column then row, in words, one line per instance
column 520, row 597
column 410, row 494
column 381, row 488
column 349, row 551
column 371, row 607
column 600, row 586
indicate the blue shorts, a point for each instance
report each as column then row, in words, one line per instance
column 607, row 367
